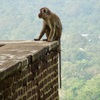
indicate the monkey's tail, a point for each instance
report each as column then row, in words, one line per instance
column 60, row 81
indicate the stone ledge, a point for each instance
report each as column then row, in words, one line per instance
column 15, row 54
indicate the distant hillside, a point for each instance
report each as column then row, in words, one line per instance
column 18, row 18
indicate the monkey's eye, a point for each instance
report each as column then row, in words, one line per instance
column 44, row 11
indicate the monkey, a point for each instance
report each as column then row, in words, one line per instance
column 52, row 27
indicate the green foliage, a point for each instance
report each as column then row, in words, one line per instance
column 81, row 68
column 91, row 90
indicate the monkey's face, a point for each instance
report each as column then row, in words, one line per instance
column 44, row 13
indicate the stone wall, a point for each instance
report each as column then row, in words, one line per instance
column 28, row 70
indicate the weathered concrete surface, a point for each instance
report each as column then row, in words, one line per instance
column 15, row 53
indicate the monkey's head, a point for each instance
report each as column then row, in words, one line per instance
column 44, row 13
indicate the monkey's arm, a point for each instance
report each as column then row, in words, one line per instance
column 41, row 33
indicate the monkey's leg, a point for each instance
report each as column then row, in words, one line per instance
column 52, row 35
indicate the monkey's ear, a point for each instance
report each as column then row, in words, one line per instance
column 48, row 12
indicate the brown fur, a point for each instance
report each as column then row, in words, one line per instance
column 52, row 26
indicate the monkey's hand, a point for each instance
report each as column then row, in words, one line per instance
column 36, row 39
column 44, row 39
